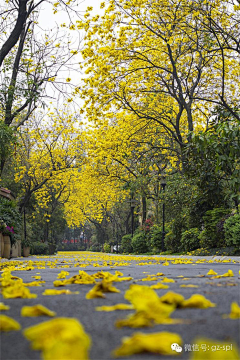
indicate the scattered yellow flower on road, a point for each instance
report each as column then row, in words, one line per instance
column 166, row 263
column 4, row 307
column 159, row 343
column 8, row 324
column 60, row 338
column 100, row 288
column 235, row 311
column 59, row 292
column 197, row 301
column 228, row 274
column 115, row 307
column 211, row 272
column 36, row 310
column 149, row 308
column 63, row 274
column 166, row 280
column 172, row 298
column 159, row 286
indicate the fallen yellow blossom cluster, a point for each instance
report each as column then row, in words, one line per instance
column 60, row 338
column 8, row 324
column 84, row 278
column 13, row 287
column 36, row 310
column 151, row 309
column 235, row 312
column 159, row 343
column 4, row 307
column 99, row 289
column 64, row 338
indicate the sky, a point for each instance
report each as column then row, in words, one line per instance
column 48, row 20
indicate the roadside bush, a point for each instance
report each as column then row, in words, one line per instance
column 139, row 243
column 173, row 236
column 107, row 248
column 95, row 248
column 38, row 248
column 213, row 236
column 190, row 239
column 126, row 244
column 156, row 238
column 172, row 242
column 232, row 230
column 10, row 216
column 70, row 247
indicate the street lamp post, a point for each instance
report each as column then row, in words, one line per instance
column 163, row 184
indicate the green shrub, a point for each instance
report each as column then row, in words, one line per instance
column 174, row 233
column 139, row 243
column 95, row 248
column 126, row 246
column 107, row 248
column 71, row 247
column 232, row 230
column 190, row 239
column 213, row 236
column 172, row 242
column 10, row 215
column 156, row 238
column 38, row 248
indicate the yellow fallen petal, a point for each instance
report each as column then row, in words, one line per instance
column 214, row 350
column 147, row 319
column 17, row 291
column 211, row 272
column 57, row 283
column 59, row 292
column 149, row 308
column 36, row 310
column 159, row 286
column 141, row 296
column 8, row 324
column 228, row 274
column 100, row 288
column 166, row 280
column 166, row 263
column 93, row 293
column 63, row 274
column 118, row 273
column 115, row 307
column 197, row 301
column 4, row 307
column 71, row 349
column 190, row 286
column 159, row 343
column 235, row 311
column 59, row 339
column 136, row 320
column 172, row 298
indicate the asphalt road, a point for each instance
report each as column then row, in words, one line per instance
column 207, row 323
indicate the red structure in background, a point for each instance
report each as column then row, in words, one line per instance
column 75, row 241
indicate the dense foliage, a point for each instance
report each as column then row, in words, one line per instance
column 151, row 128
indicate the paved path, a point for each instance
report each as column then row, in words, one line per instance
column 100, row 325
